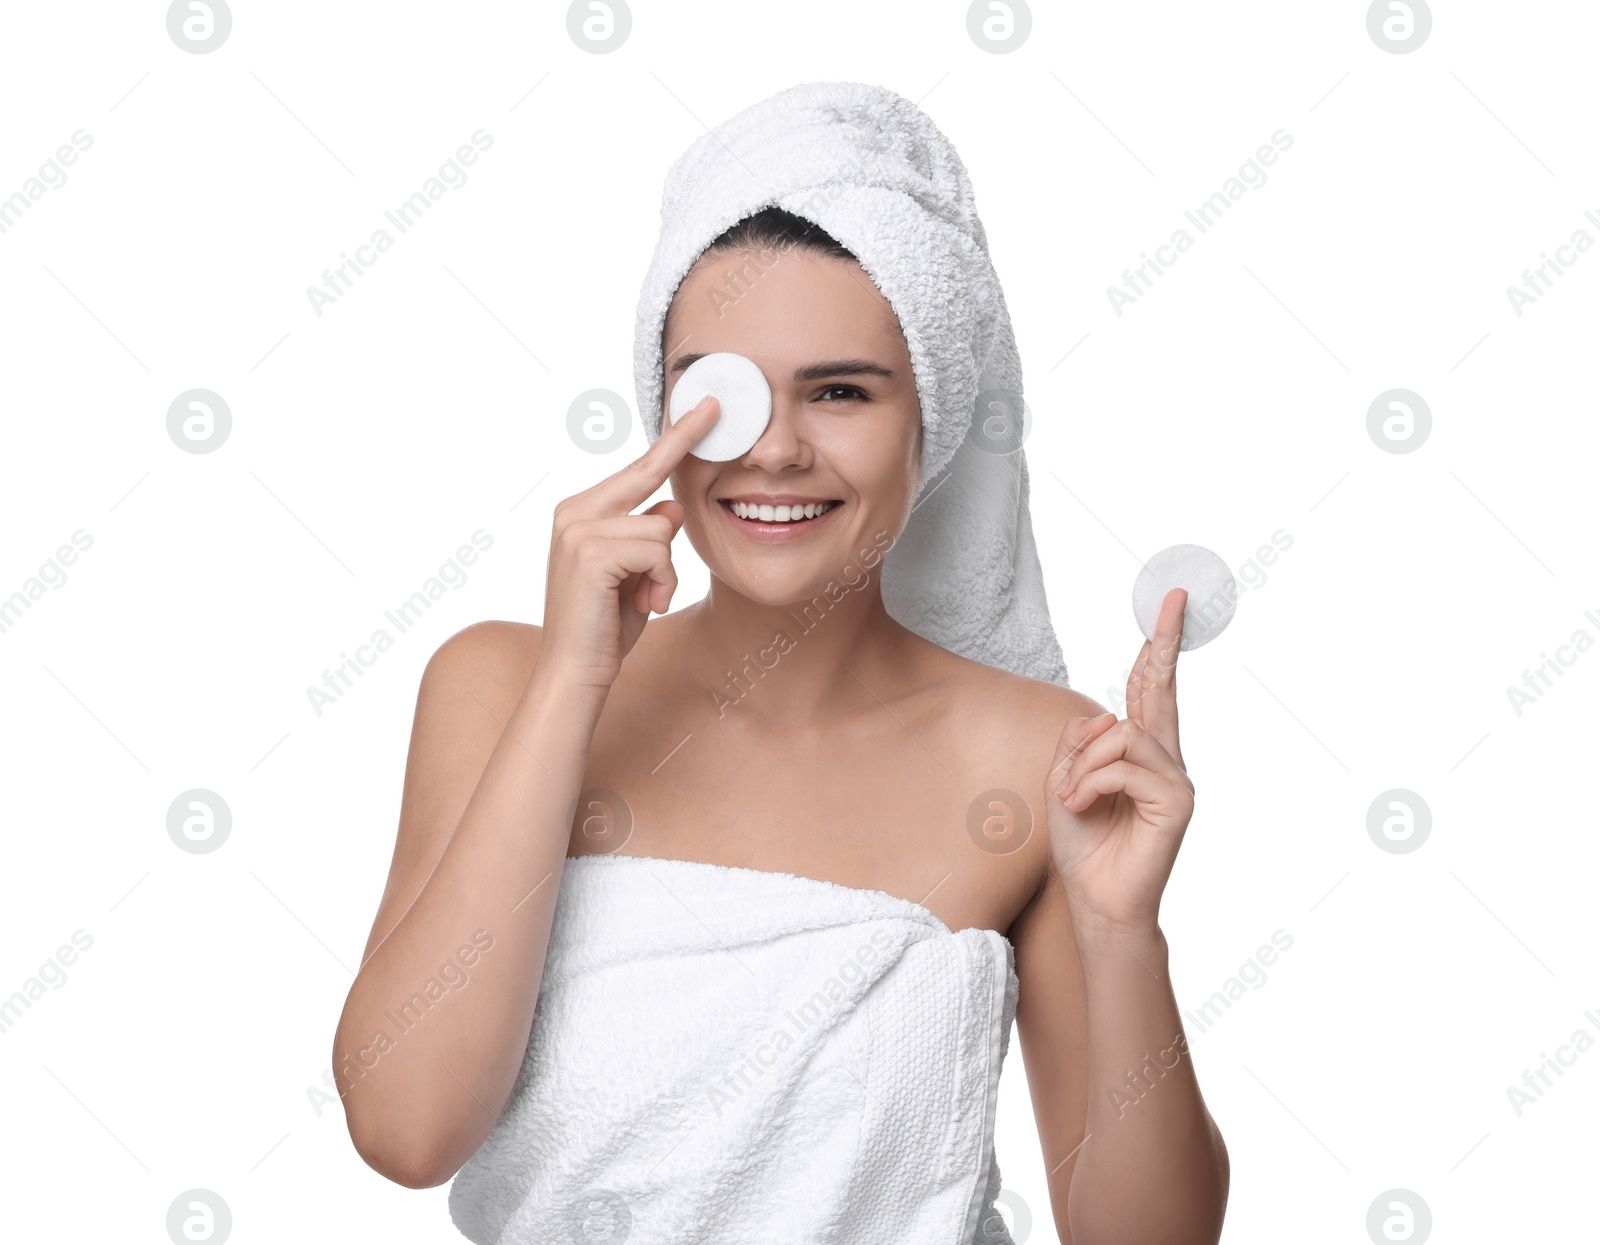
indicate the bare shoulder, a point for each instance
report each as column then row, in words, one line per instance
column 1007, row 728
column 1025, row 716
column 491, row 649
column 469, row 687
column 479, row 672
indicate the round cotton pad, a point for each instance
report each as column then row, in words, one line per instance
column 745, row 399
column 1199, row 572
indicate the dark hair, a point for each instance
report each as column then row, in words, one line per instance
column 769, row 231
column 773, row 229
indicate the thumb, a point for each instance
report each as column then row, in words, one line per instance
column 1078, row 733
column 647, row 595
column 672, row 509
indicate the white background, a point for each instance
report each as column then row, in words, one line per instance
column 368, row 443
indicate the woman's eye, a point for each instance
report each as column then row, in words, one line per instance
column 850, row 390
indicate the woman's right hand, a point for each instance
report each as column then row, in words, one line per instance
column 610, row 569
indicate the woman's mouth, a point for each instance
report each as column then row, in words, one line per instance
column 777, row 523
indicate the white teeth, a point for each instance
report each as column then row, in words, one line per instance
column 780, row 514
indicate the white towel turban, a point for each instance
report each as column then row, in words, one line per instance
column 872, row 170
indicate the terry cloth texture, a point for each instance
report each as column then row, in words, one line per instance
column 729, row 1056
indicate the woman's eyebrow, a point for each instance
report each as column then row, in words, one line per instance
column 813, row 371
column 841, row 367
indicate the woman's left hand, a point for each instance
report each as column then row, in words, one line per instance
column 1119, row 797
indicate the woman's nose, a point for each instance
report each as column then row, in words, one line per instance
column 782, row 445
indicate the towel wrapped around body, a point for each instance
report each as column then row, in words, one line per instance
column 731, row 1056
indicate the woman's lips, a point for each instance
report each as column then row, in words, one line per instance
column 775, row 533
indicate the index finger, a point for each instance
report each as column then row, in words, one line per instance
column 1169, row 629
column 1158, row 692
column 633, row 485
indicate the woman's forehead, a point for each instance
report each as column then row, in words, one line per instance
column 796, row 305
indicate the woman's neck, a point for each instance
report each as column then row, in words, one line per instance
column 789, row 666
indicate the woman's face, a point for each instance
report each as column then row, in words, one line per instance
column 846, row 426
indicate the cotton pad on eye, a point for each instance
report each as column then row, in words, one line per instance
column 743, row 394
column 1199, row 572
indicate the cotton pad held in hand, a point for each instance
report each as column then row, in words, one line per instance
column 743, row 394
column 1199, row 572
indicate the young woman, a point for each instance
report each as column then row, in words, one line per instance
column 852, row 760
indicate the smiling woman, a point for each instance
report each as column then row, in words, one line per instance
column 846, row 417
column 775, row 1007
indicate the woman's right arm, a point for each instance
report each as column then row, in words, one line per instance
column 437, row 1023
column 457, row 951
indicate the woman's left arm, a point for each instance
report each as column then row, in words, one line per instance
column 1108, row 1063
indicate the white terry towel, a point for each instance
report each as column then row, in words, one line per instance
column 872, row 170
column 730, row 1056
